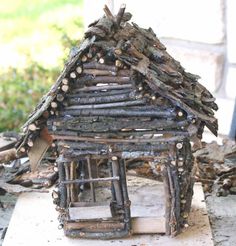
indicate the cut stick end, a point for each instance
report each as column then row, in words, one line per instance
column 123, row 6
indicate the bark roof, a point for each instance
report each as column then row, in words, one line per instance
column 143, row 52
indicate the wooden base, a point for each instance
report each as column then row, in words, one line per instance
column 34, row 222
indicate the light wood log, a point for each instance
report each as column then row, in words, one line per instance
column 97, row 72
column 139, row 112
column 79, row 70
column 105, row 93
column 54, row 105
column 96, row 65
column 84, row 58
column 102, row 99
column 60, row 97
column 94, row 226
column 107, row 105
column 109, row 79
column 117, row 140
column 73, row 187
column 105, row 87
column 116, row 184
column 65, row 81
column 65, row 88
column 32, row 127
column 73, row 75
column 90, row 177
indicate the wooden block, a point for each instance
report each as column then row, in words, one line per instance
column 148, row 225
column 147, row 211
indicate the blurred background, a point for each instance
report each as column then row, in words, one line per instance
column 36, row 36
column 35, row 39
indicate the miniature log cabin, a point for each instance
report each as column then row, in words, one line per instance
column 121, row 96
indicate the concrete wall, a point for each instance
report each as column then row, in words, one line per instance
column 199, row 33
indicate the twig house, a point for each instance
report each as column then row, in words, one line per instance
column 121, row 96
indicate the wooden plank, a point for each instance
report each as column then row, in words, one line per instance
column 96, row 212
column 37, row 152
column 79, row 213
column 140, row 225
column 95, row 226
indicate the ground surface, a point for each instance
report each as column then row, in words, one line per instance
column 8, row 203
column 222, row 213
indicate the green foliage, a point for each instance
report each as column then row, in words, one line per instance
column 39, row 33
column 22, row 87
column 20, row 91
column 20, row 18
column 32, row 9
